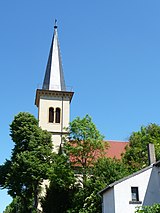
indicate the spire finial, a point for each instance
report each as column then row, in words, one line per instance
column 55, row 24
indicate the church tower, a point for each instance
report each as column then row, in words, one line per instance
column 53, row 100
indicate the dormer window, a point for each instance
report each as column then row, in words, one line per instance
column 58, row 115
column 51, row 115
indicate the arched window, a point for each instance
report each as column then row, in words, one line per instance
column 58, row 115
column 51, row 115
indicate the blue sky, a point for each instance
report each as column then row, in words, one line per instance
column 111, row 58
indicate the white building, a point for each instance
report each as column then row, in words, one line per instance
column 139, row 189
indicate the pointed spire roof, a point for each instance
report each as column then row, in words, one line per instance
column 54, row 77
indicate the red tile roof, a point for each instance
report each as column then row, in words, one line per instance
column 116, row 148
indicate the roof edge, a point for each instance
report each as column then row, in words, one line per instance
column 125, row 178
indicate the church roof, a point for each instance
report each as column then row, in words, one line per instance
column 54, row 77
column 116, row 148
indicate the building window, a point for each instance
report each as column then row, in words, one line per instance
column 51, row 115
column 58, row 115
column 134, row 194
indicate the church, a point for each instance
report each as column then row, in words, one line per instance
column 53, row 102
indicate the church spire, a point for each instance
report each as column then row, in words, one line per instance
column 53, row 101
column 54, row 77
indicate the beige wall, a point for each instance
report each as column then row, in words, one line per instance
column 56, row 129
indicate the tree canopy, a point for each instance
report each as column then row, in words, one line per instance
column 155, row 208
column 136, row 155
column 85, row 144
column 87, row 163
column 98, row 170
column 59, row 196
column 77, row 174
column 81, row 149
column 30, row 160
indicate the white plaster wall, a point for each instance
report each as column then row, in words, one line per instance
column 56, row 139
column 116, row 199
column 123, row 192
column 108, row 202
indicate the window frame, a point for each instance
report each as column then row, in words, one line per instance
column 51, row 115
column 135, row 195
column 58, row 115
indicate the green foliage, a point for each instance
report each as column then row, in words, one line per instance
column 12, row 207
column 108, row 170
column 84, row 145
column 30, row 161
column 62, row 174
column 136, row 156
column 104, row 172
column 62, row 187
column 66, row 193
column 16, row 206
column 86, row 199
column 155, row 208
column 22, row 127
column 86, row 149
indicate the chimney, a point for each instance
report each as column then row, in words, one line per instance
column 151, row 154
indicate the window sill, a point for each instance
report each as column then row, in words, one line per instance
column 135, row 202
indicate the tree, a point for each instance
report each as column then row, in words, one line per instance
column 104, row 172
column 59, row 196
column 86, row 150
column 155, row 208
column 136, row 155
column 84, row 146
column 83, row 158
column 81, row 150
column 108, row 170
column 14, row 207
column 30, row 161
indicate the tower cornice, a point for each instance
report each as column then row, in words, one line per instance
column 52, row 93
